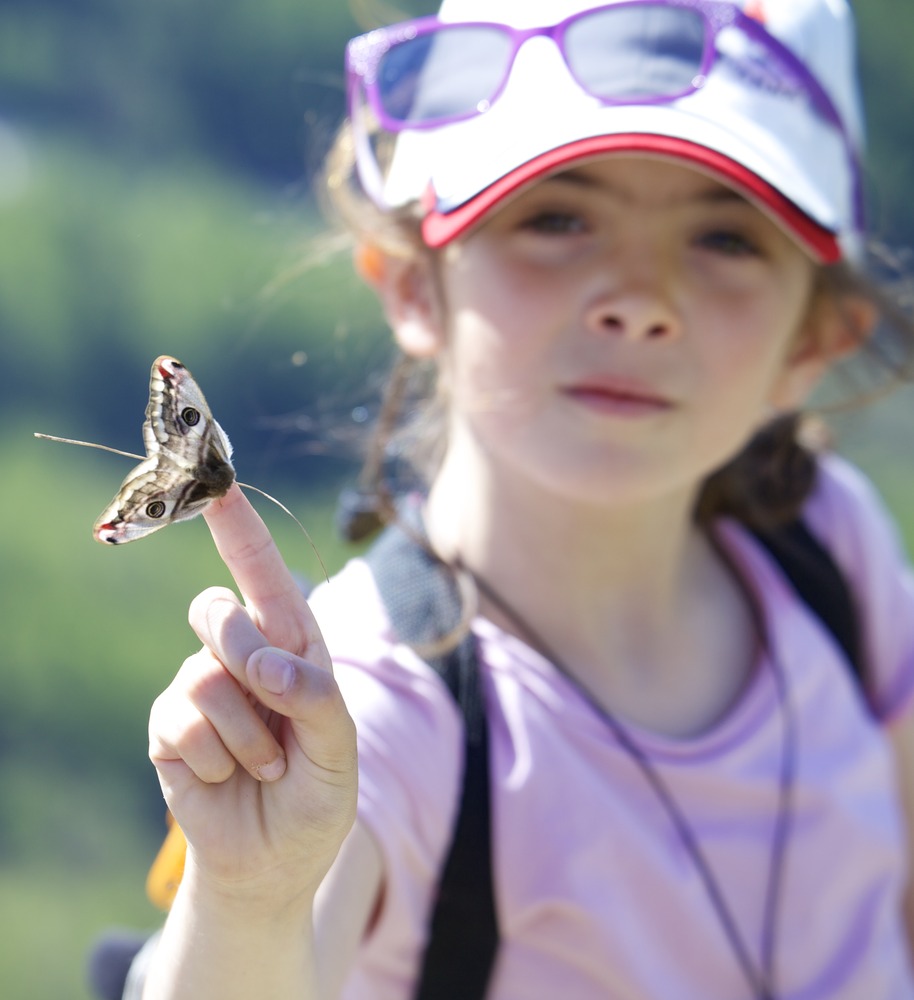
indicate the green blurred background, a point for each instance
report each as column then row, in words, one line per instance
column 157, row 196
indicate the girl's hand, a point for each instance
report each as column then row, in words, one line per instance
column 255, row 750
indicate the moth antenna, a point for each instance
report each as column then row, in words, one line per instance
column 89, row 444
column 285, row 509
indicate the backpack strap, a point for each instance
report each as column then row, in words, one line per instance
column 821, row 585
column 423, row 604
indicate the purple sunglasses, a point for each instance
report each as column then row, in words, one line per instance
column 426, row 73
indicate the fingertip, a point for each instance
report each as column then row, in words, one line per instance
column 272, row 771
column 203, row 602
column 230, row 514
column 226, row 502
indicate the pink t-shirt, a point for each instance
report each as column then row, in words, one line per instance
column 596, row 897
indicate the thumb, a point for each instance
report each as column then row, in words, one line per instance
column 308, row 696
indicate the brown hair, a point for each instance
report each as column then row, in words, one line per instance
column 764, row 485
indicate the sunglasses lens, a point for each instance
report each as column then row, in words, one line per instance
column 449, row 73
column 636, row 52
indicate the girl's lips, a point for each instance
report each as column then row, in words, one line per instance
column 618, row 396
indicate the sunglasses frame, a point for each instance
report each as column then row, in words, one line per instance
column 365, row 53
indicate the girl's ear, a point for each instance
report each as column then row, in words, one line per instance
column 836, row 328
column 369, row 263
column 410, row 297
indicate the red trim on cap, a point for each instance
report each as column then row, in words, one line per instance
column 439, row 228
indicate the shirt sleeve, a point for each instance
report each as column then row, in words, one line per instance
column 847, row 515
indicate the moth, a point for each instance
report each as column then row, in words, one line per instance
column 188, row 461
column 188, row 464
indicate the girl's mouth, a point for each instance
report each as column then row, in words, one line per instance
column 618, row 396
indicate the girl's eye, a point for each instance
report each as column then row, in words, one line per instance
column 555, row 222
column 730, row 243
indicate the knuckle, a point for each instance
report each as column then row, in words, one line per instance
column 321, row 701
column 317, row 653
column 323, row 690
column 204, row 753
column 210, row 688
column 216, row 772
column 226, row 628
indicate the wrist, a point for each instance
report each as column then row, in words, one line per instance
column 279, row 896
column 234, row 941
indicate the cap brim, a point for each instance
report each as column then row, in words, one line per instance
column 440, row 228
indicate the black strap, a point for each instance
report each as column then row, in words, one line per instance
column 423, row 604
column 821, row 585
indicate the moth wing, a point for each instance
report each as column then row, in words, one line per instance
column 221, row 442
column 155, row 494
column 174, row 396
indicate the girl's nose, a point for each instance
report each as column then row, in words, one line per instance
column 634, row 293
column 635, row 314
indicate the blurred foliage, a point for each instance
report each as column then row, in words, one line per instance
column 887, row 77
column 157, row 174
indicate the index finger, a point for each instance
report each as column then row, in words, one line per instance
column 272, row 596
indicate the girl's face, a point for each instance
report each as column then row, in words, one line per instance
column 619, row 330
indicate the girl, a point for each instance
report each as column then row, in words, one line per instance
column 624, row 238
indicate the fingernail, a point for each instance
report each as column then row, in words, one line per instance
column 270, row 772
column 274, row 672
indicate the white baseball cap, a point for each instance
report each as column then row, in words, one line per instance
column 754, row 121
